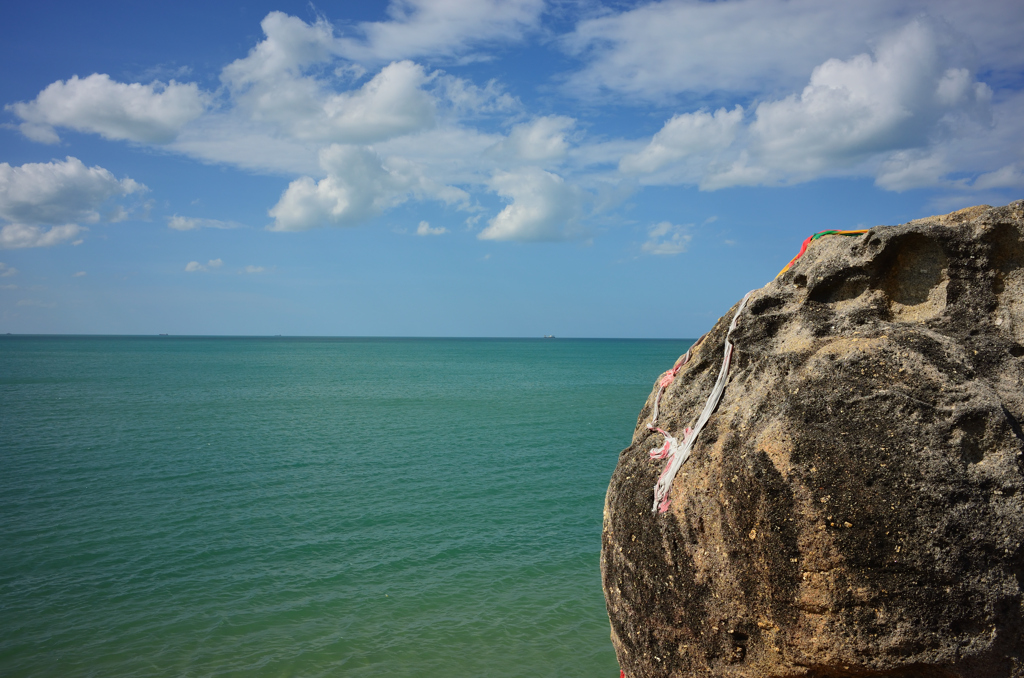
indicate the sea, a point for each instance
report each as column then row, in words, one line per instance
column 212, row 506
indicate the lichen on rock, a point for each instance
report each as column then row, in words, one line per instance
column 855, row 506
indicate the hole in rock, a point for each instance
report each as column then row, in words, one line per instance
column 918, row 268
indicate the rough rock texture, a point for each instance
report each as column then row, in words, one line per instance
column 855, row 506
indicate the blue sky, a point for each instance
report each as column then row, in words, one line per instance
column 475, row 168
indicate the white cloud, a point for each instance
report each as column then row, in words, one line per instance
column 1010, row 176
column 662, row 49
column 891, row 114
column 427, row 28
column 424, row 228
column 539, row 140
column 17, row 236
column 254, row 269
column 290, row 46
column 152, row 114
column 766, row 92
column 80, row 274
column 194, row 266
column 466, row 98
column 862, row 106
column 358, row 186
column 904, row 170
column 449, row 154
column 56, row 192
column 683, row 135
column 281, row 103
column 543, row 207
column 667, row 238
column 7, row 271
column 228, row 137
column 179, row 223
column 269, row 86
column 391, row 104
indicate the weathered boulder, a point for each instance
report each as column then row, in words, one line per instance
column 855, row 505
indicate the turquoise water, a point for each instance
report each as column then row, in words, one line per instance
column 310, row 507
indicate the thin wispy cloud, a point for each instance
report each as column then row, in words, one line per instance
column 667, row 238
column 195, row 266
column 180, row 223
column 424, row 228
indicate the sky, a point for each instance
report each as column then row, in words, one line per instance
column 475, row 168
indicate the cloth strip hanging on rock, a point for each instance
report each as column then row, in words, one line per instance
column 667, row 379
column 812, row 238
column 675, row 451
column 679, row 452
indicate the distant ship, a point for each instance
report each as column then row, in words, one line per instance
column 163, row 334
column 549, row 336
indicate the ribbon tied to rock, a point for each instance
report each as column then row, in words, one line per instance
column 676, row 451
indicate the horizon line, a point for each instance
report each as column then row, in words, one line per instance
column 327, row 336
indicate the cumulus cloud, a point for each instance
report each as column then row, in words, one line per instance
column 683, row 135
column 254, row 269
column 195, row 266
column 539, row 140
column 290, row 46
column 56, row 192
column 663, row 49
column 764, row 92
column 17, row 236
column 391, row 104
column 152, row 114
column 889, row 114
column 862, row 106
column 271, row 86
column 291, row 95
column 7, row 271
column 179, row 223
column 667, row 238
column 358, row 186
column 35, row 196
column 421, row 27
column 543, row 207
column 425, row 228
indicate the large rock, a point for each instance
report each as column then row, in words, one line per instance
column 854, row 507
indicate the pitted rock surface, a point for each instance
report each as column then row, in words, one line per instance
column 855, row 506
